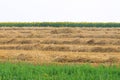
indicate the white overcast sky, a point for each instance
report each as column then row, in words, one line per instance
column 60, row 10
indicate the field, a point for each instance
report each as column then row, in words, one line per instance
column 59, row 53
column 21, row 71
column 61, row 45
column 59, row 24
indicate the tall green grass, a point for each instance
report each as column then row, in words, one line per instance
column 57, row 24
column 20, row 71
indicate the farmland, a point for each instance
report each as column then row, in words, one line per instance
column 61, row 45
column 48, row 53
column 59, row 24
column 22, row 71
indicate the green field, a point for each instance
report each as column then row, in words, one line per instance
column 58, row 24
column 22, row 71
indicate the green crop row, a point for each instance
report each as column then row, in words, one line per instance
column 57, row 24
column 22, row 71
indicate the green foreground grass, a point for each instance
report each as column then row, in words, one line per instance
column 59, row 24
column 22, row 71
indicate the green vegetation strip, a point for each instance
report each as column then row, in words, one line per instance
column 22, row 71
column 58, row 24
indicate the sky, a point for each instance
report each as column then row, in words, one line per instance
column 59, row 10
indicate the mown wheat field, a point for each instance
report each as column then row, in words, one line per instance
column 59, row 53
column 61, row 45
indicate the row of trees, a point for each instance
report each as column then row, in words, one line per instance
column 58, row 24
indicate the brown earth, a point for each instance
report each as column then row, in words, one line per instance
column 60, row 45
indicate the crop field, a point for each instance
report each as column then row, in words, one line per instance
column 61, row 45
column 59, row 53
column 60, row 24
column 22, row 71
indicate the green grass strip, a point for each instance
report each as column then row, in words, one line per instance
column 22, row 71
